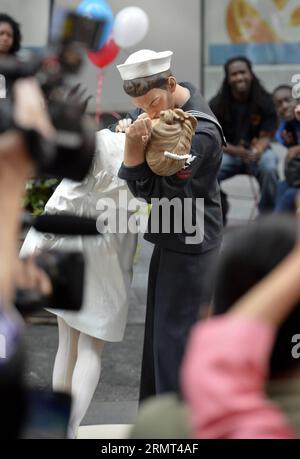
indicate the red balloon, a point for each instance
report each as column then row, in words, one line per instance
column 105, row 55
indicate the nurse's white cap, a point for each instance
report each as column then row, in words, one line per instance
column 145, row 63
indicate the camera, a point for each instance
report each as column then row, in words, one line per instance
column 66, row 273
column 71, row 154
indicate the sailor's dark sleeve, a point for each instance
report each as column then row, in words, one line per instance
column 143, row 183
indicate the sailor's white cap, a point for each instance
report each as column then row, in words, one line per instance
column 145, row 63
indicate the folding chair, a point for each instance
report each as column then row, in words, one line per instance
column 236, row 190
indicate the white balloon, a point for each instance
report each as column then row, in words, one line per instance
column 130, row 26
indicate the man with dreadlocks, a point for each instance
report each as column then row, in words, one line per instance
column 246, row 112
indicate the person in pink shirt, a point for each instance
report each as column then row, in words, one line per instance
column 234, row 361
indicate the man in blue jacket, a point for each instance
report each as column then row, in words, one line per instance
column 181, row 259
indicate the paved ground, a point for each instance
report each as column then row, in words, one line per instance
column 115, row 401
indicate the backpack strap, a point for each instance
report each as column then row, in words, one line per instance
column 205, row 116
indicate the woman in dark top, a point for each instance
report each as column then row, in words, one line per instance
column 10, row 35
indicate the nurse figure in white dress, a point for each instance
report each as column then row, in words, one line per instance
column 108, row 274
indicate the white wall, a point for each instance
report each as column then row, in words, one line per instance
column 174, row 25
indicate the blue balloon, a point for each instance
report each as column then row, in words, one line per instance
column 98, row 9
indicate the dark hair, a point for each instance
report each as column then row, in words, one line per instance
column 280, row 87
column 16, row 31
column 140, row 86
column 250, row 253
column 222, row 102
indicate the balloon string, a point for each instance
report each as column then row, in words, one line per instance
column 127, row 53
column 100, row 77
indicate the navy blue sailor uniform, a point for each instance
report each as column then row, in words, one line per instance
column 180, row 261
